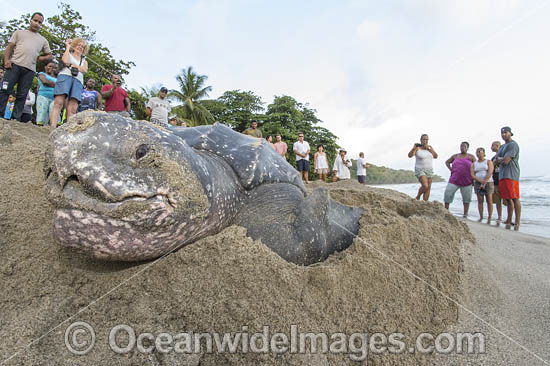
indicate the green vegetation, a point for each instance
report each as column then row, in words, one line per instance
column 383, row 175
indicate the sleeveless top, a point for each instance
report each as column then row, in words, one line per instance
column 424, row 159
column 322, row 161
column 89, row 100
column 44, row 90
column 67, row 71
column 481, row 169
column 460, row 172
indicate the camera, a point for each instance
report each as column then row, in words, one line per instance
column 418, row 145
column 74, row 71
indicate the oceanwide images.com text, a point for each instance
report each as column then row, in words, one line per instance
column 80, row 338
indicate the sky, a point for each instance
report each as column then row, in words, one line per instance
column 378, row 73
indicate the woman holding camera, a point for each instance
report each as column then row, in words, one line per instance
column 70, row 80
column 423, row 167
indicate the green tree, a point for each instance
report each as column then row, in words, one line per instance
column 67, row 24
column 192, row 90
column 236, row 108
column 287, row 117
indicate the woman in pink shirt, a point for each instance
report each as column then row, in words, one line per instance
column 461, row 178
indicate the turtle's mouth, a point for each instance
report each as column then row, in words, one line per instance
column 72, row 193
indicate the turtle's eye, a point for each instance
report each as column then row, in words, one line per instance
column 141, row 151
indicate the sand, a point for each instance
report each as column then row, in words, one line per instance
column 221, row 283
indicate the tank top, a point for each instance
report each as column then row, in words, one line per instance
column 460, row 172
column 424, row 159
column 44, row 90
column 481, row 169
column 322, row 161
column 67, row 71
column 89, row 100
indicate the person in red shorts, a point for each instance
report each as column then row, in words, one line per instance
column 508, row 160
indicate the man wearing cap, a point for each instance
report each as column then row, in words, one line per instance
column 508, row 160
column 253, row 130
column 341, row 167
column 158, row 108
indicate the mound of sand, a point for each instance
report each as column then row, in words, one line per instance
column 221, row 283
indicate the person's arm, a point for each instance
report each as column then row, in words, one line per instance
column 148, row 112
column 45, row 81
column 489, row 172
column 450, row 161
column 107, row 93
column 7, row 55
column 99, row 102
column 82, row 68
column 44, row 58
column 315, row 161
column 127, row 104
column 432, row 151
column 413, row 151
column 473, row 174
column 65, row 58
column 285, row 148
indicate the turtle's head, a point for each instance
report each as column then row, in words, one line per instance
column 123, row 189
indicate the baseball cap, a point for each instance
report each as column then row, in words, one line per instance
column 164, row 89
column 506, row 129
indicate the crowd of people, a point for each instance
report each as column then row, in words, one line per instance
column 494, row 181
column 61, row 92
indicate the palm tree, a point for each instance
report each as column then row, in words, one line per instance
column 192, row 90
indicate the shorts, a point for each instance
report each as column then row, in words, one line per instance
column 418, row 172
column 489, row 188
column 509, row 189
column 322, row 171
column 361, row 178
column 44, row 108
column 451, row 189
column 303, row 165
column 69, row 86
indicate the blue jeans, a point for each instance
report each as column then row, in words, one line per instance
column 23, row 78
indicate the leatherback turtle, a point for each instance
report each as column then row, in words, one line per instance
column 128, row 190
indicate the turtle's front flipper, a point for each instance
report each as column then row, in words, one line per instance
column 298, row 228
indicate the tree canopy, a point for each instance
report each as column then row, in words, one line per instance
column 192, row 90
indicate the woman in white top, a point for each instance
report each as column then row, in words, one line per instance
column 320, row 163
column 482, row 173
column 423, row 167
column 70, row 80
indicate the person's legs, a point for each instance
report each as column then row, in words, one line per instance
column 26, row 77
column 42, row 110
column 423, row 186
column 517, row 211
column 466, row 193
column 306, row 176
column 11, row 77
column 428, row 190
column 72, row 108
column 449, row 194
column 58, row 102
column 510, row 211
column 498, row 202
column 489, row 207
column 480, row 206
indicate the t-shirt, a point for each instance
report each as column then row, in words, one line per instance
column 116, row 102
column 28, row 46
column 302, row 148
column 342, row 168
column 44, row 90
column 89, row 100
column 67, row 71
column 253, row 132
column 511, row 170
column 281, row 148
column 159, row 109
column 360, row 169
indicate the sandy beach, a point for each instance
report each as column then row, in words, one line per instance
column 410, row 269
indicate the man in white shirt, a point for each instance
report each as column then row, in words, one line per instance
column 362, row 169
column 158, row 108
column 341, row 167
column 301, row 149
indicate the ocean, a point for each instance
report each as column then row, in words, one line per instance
column 534, row 198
